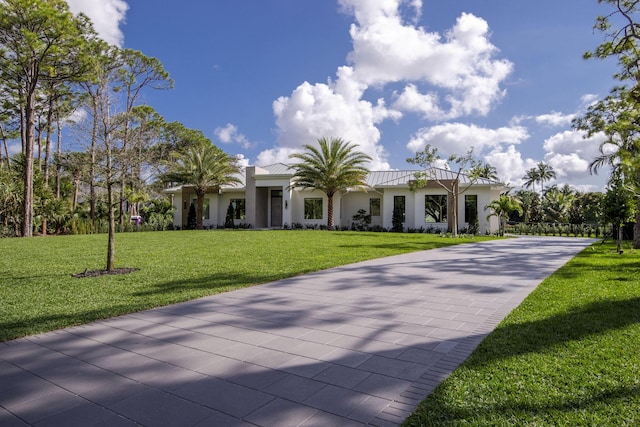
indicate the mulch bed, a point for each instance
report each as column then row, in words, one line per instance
column 96, row 273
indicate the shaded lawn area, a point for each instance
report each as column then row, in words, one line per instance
column 569, row 355
column 37, row 292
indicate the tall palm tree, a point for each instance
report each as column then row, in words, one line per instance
column 502, row 207
column 545, row 173
column 207, row 168
column 332, row 167
column 531, row 178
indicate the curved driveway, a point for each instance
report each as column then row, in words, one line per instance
column 362, row 343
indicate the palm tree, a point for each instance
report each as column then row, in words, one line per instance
column 531, row 178
column 207, row 168
column 545, row 173
column 484, row 170
column 502, row 207
column 333, row 167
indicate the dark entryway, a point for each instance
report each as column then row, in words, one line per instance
column 276, row 208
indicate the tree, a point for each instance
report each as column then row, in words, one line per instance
column 207, row 168
column 41, row 42
column 617, row 117
column 557, row 202
column 484, row 170
column 618, row 208
column 427, row 159
column 532, row 177
column 545, row 173
column 501, row 209
column 335, row 166
column 137, row 72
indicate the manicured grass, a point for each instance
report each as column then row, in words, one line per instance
column 37, row 292
column 569, row 355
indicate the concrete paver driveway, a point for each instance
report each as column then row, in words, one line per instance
column 359, row 344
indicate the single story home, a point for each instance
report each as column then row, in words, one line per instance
column 266, row 199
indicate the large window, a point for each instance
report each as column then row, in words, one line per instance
column 239, row 209
column 435, row 208
column 374, row 207
column 313, row 208
column 470, row 208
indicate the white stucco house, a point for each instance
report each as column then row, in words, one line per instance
column 265, row 199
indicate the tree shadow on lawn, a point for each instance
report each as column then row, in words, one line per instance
column 531, row 337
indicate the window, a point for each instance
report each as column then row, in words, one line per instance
column 312, row 208
column 398, row 207
column 239, row 209
column 205, row 207
column 435, row 208
column 470, row 208
column 374, row 207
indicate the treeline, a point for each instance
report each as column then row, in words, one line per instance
column 58, row 80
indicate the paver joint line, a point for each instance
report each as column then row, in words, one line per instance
column 362, row 343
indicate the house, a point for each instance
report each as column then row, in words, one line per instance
column 265, row 199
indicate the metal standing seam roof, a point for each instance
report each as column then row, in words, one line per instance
column 392, row 178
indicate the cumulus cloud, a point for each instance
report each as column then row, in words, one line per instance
column 229, row 134
column 570, row 154
column 555, row 119
column 510, row 165
column 458, row 67
column 456, row 138
column 106, row 15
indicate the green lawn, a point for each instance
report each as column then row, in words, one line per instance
column 569, row 355
column 37, row 292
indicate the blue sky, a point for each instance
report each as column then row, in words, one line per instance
column 263, row 77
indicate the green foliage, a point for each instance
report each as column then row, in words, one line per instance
column 173, row 266
column 228, row 221
column 569, row 355
column 206, row 168
column 335, row 165
column 502, row 207
column 361, row 220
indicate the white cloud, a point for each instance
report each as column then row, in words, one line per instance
column 555, row 119
column 106, row 16
column 229, row 134
column 458, row 66
column 510, row 165
column 275, row 155
column 570, row 154
column 457, row 138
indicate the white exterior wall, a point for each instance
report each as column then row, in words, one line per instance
column 353, row 201
column 297, row 207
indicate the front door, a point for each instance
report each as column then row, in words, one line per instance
column 276, row 208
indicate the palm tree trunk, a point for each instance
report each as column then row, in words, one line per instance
column 199, row 208
column 330, row 211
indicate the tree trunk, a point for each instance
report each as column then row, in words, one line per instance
column 111, row 244
column 636, row 227
column 330, row 211
column 27, row 203
column 199, row 208
column 92, row 164
column 59, row 153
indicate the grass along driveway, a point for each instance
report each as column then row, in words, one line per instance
column 37, row 292
column 569, row 355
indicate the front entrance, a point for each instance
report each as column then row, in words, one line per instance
column 276, row 208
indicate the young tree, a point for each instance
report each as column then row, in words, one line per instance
column 427, row 159
column 41, row 41
column 335, row 166
column 207, row 168
column 501, row 209
column 618, row 208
